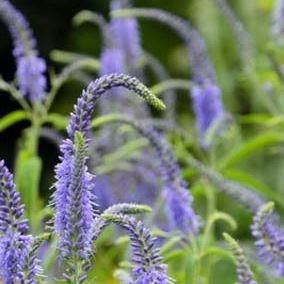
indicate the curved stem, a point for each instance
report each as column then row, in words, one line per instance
column 15, row 94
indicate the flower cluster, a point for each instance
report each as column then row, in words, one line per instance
column 14, row 241
column 148, row 263
column 126, row 37
column 30, row 67
column 74, row 200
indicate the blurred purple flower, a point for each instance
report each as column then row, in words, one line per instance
column 208, row 108
column 30, row 68
column 30, row 78
column 126, row 36
column 112, row 61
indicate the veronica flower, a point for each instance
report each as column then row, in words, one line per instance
column 74, row 202
column 269, row 239
column 208, row 108
column 277, row 21
column 244, row 273
column 30, row 68
column 201, row 66
column 126, row 36
column 148, row 266
column 14, row 241
column 112, row 61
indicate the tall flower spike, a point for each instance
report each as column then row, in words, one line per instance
column 269, row 239
column 14, row 241
column 75, row 207
column 30, row 67
column 81, row 116
column 277, row 21
column 177, row 197
column 206, row 92
column 111, row 61
column 208, row 109
column 148, row 266
column 244, row 273
column 126, row 36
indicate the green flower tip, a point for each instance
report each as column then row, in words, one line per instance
column 82, row 17
column 79, row 140
column 267, row 208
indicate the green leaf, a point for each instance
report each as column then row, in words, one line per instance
column 28, row 171
column 12, row 118
column 250, row 147
column 255, row 118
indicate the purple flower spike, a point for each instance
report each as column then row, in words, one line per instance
column 269, row 239
column 30, row 68
column 30, row 78
column 126, row 35
column 148, row 266
column 112, row 61
column 81, row 116
column 208, row 108
column 14, row 241
column 74, row 200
